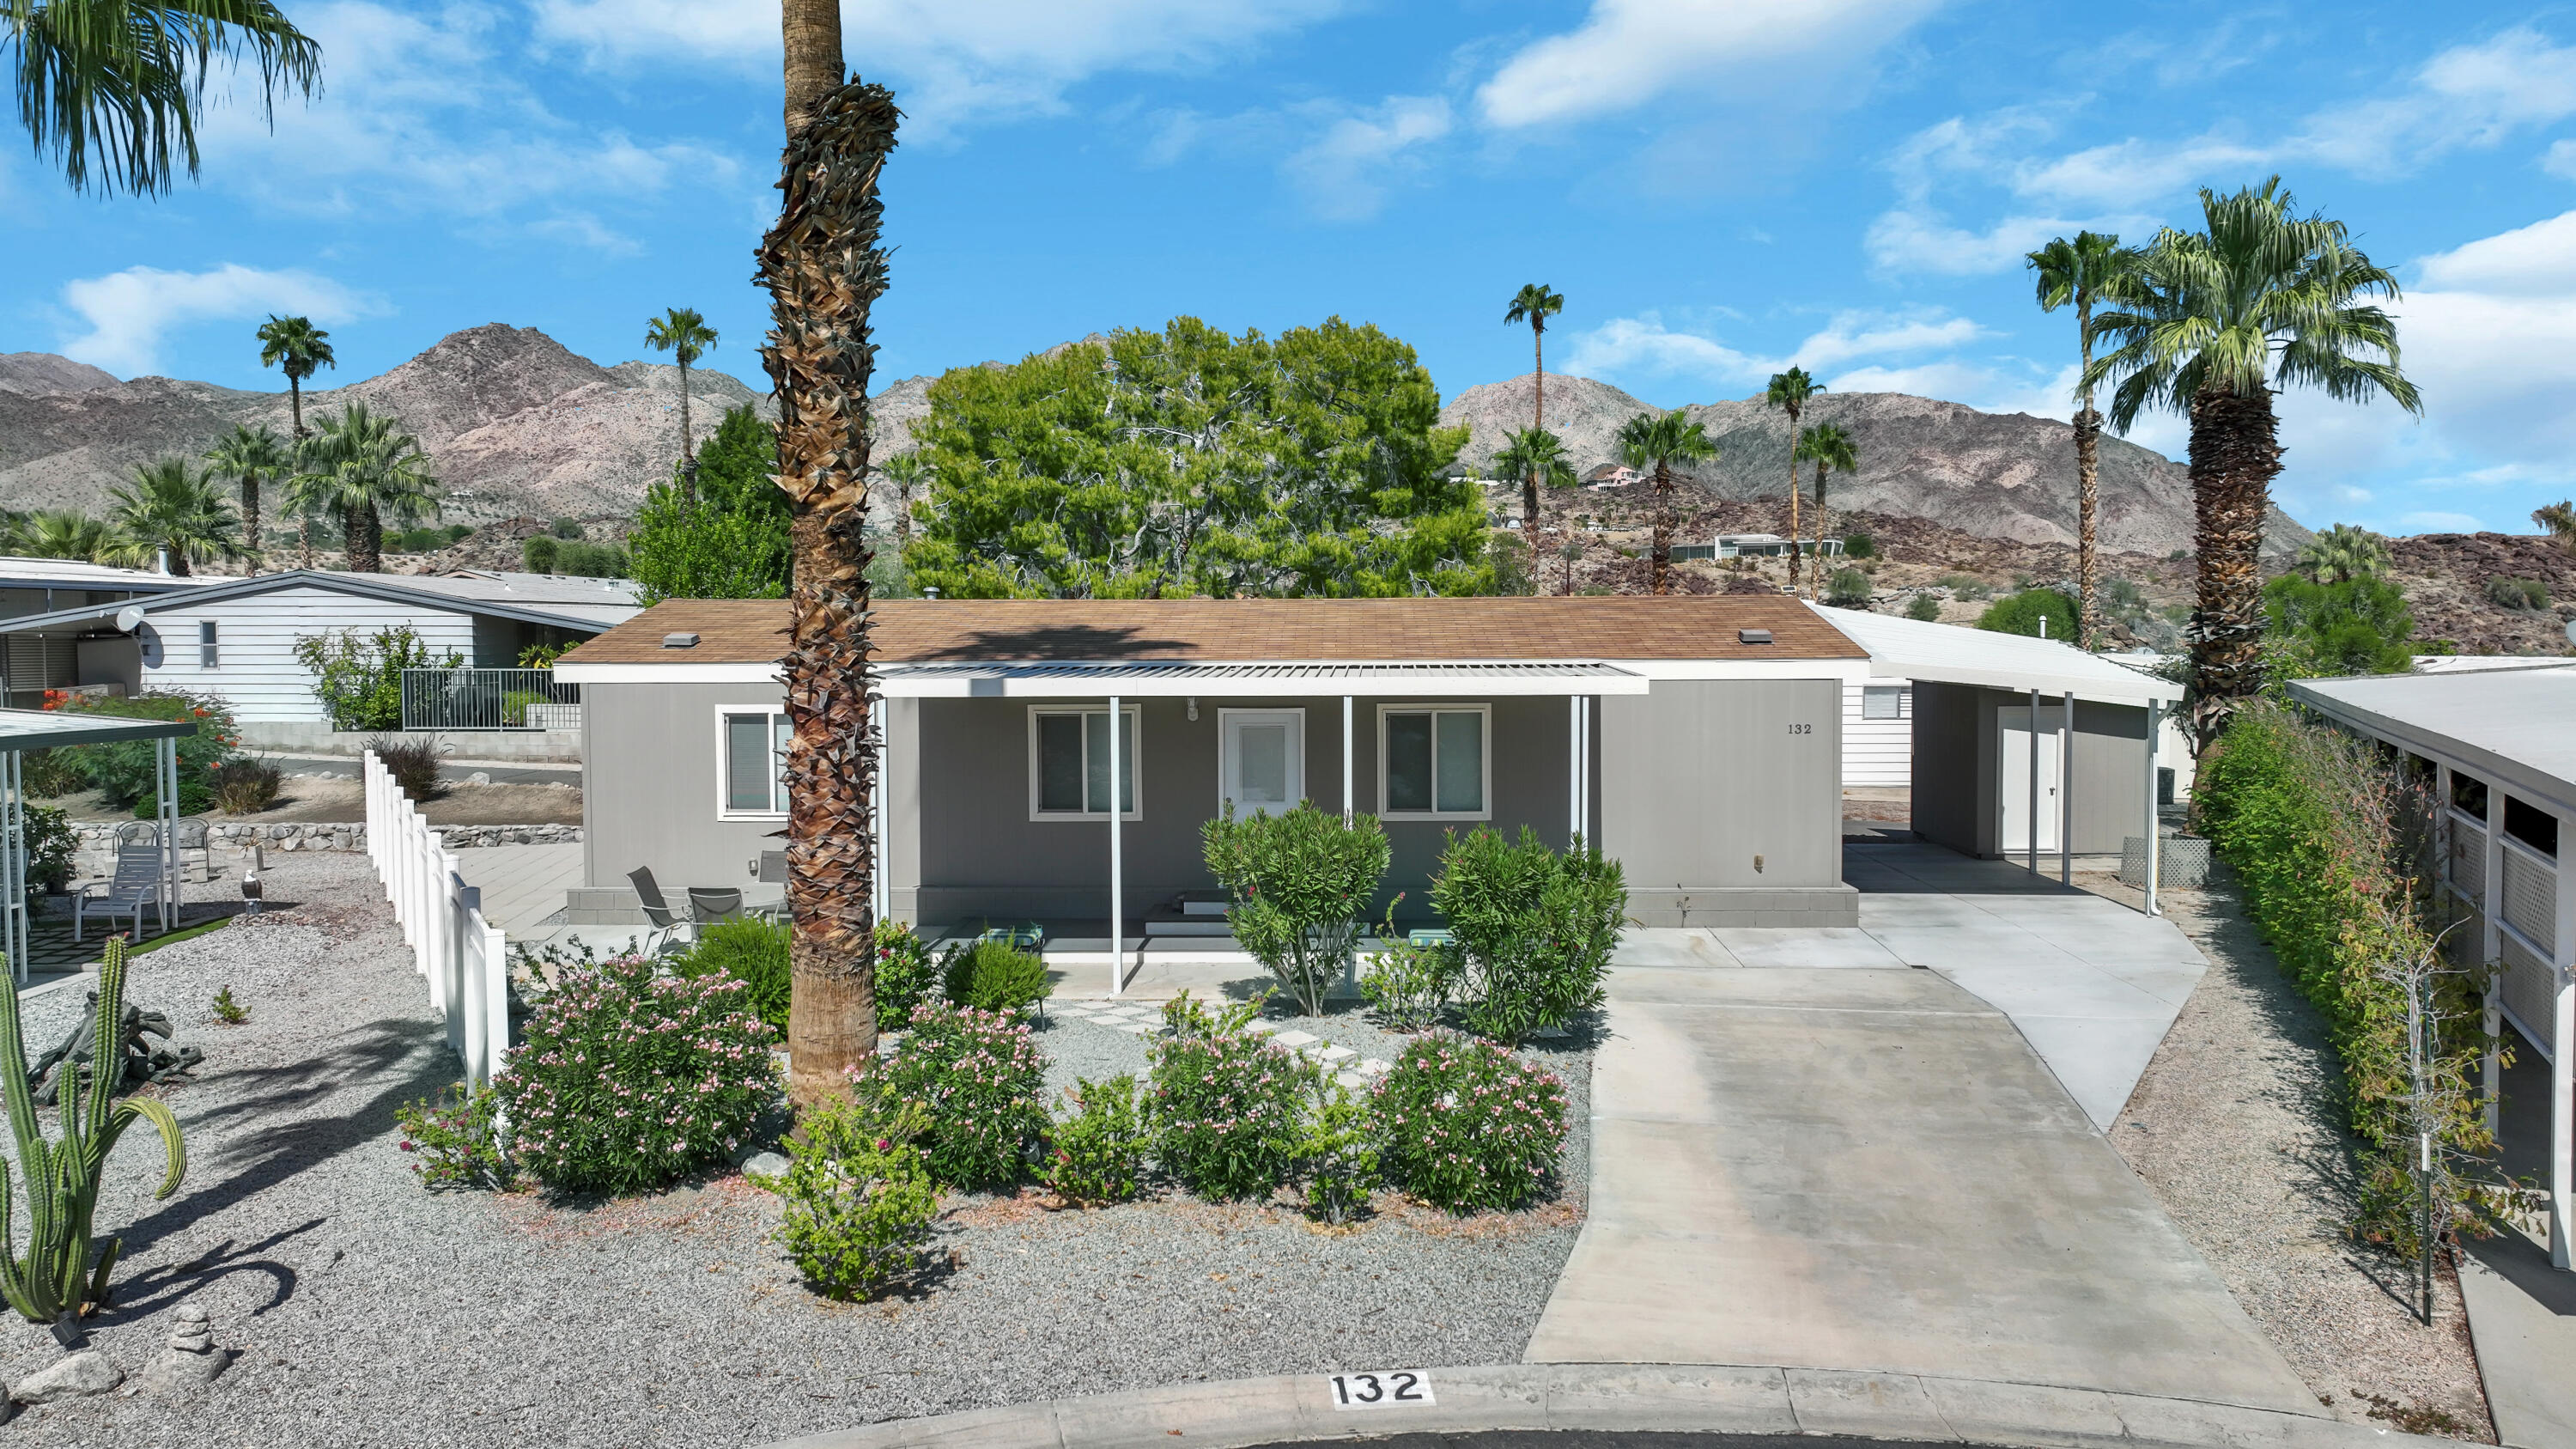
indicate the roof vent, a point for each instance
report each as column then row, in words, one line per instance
column 1752, row 636
column 679, row 641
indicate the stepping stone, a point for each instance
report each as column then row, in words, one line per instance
column 1264, row 1027
column 1140, row 1028
column 1373, row 1067
column 1293, row 1038
column 1352, row 1080
column 1332, row 1053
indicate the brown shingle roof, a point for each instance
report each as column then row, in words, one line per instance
column 1245, row 630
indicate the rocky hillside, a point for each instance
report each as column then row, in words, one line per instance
column 2000, row 475
column 42, row 372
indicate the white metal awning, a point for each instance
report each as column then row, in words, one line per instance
column 1137, row 679
column 1915, row 650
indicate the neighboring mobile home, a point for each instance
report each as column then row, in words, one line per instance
column 1695, row 739
column 34, row 663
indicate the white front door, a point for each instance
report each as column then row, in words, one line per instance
column 2014, row 785
column 1262, row 759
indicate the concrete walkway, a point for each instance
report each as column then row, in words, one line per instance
column 524, row 884
column 1868, row 1169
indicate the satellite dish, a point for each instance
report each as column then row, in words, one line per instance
column 129, row 618
column 2571, row 631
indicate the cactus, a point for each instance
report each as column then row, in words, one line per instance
column 56, row 1282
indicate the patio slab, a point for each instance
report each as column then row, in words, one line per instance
column 1804, row 946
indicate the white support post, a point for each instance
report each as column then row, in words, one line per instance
column 2066, row 793
column 1350, row 805
column 168, row 817
column 2030, row 822
column 496, row 997
column 2155, row 727
column 1117, row 863
column 1573, row 768
column 880, row 894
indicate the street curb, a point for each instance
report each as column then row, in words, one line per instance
column 1633, row 1398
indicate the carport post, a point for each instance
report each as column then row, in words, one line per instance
column 2066, row 794
column 1574, row 768
column 1117, row 865
column 2030, row 822
column 168, row 814
column 2154, row 724
column 1348, row 804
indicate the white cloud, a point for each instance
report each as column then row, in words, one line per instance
column 1643, row 345
column 1345, row 171
column 130, row 312
column 952, row 63
column 1906, row 240
column 1628, row 53
column 2437, row 521
column 2131, row 172
column 2536, row 260
column 2468, row 96
column 2560, row 160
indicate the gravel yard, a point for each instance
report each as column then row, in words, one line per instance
column 2235, row 1127
column 370, row 1312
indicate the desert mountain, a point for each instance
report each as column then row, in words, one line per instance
column 37, row 372
column 1999, row 475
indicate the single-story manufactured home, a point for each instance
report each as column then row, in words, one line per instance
column 1696, row 739
column 45, row 585
column 2503, row 763
column 235, row 639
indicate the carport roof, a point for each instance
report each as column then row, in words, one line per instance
column 37, row 729
column 1949, row 654
column 2509, row 727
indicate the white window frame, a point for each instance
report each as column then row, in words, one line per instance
column 1487, row 764
column 1135, row 786
column 209, row 645
column 1896, row 694
column 1296, row 762
column 724, row 795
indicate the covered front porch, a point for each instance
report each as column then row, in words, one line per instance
column 999, row 777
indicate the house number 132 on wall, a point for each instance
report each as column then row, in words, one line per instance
column 1380, row 1390
column 1802, row 729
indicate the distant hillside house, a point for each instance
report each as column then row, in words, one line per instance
column 234, row 639
column 1610, row 475
column 1753, row 545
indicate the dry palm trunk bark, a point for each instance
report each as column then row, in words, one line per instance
column 1663, row 524
column 1793, row 500
column 824, row 268
column 1816, row 566
column 2234, row 455
column 363, row 539
column 250, row 521
column 2088, row 447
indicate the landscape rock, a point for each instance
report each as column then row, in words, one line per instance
column 190, row 1362
column 72, row 1376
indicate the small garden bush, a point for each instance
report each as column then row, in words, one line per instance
column 1227, row 1104
column 358, row 677
column 628, row 1079
column 244, row 786
column 1859, row 545
column 453, row 1139
column 2517, row 594
column 2353, row 626
column 1848, row 589
column 1301, row 882
column 1534, row 928
column 411, row 760
column 1337, row 1154
column 52, row 849
column 1468, row 1126
column 51, row 774
column 2025, row 613
column 194, row 799
column 126, row 771
column 1406, row 984
column 859, row 1202
column 993, row 976
column 1924, row 609
column 904, row 974
column 978, row 1081
column 1096, row 1154
column 751, row 952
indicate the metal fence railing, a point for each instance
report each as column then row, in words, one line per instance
column 488, row 699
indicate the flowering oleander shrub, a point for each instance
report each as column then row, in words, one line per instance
column 752, row 952
column 453, row 1140
column 978, row 1080
column 904, row 974
column 1227, row 1104
column 1534, row 929
column 627, row 1079
column 1095, row 1155
column 1467, row 1125
column 993, row 976
column 859, row 1201
column 1337, row 1152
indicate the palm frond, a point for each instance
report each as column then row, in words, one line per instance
column 111, row 88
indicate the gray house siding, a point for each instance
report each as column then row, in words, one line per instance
column 1722, row 801
column 1958, row 767
column 650, row 766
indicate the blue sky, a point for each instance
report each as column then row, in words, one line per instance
column 1718, row 187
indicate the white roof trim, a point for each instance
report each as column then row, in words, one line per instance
column 1911, row 649
column 1087, row 679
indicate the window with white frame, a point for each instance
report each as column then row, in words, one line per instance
column 753, row 744
column 1069, row 764
column 206, row 646
column 1882, row 701
column 1433, row 762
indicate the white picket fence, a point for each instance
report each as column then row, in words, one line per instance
column 465, row 959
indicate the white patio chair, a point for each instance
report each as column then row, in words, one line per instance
column 134, row 888
column 194, row 840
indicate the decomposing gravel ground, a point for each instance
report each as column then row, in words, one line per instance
column 2235, row 1127
column 367, row 1311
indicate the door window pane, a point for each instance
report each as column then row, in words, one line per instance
column 1261, row 764
column 1461, row 756
column 748, row 771
column 1060, row 762
column 1408, row 762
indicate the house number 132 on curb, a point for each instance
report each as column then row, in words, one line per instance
column 1381, row 1390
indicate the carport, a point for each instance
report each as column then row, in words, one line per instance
column 22, row 730
column 2026, row 749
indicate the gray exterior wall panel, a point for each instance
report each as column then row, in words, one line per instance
column 650, row 777
column 1958, row 768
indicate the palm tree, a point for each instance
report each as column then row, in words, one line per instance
column 250, row 457
column 1647, row 441
column 1828, row 447
column 113, row 86
column 169, row 509
column 1534, row 304
column 684, row 334
column 1790, row 391
column 2559, row 519
column 295, row 346
column 365, row 469
column 2344, row 552
column 63, row 533
column 908, row 476
column 2221, row 316
column 824, row 268
column 2092, row 268
column 1535, row 456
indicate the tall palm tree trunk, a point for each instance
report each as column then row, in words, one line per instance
column 2088, row 445
column 1529, row 509
column 365, row 529
column 1816, row 566
column 1793, row 500
column 295, row 401
column 1663, row 550
column 250, row 521
column 688, row 454
column 2235, row 453
column 823, row 268
column 1538, row 376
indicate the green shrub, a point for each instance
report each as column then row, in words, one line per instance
column 1859, row 545
column 1469, row 1126
column 454, row 1140
column 749, row 951
column 1925, row 608
column 1301, row 882
column 1096, row 1154
column 1337, row 1158
column 859, row 1202
column 411, row 759
column 244, row 786
column 194, row 799
column 1227, row 1103
column 50, row 774
column 538, row 554
column 358, row 678
column 977, row 1079
column 904, row 974
column 1406, row 984
column 127, row 770
column 1848, row 589
column 993, row 976
column 53, row 848
column 590, row 560
column 2027, row 611
column 627, row 1079
column 1535, row 929
column 2517, row 594
column 2355, row 626
column 565, row 528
